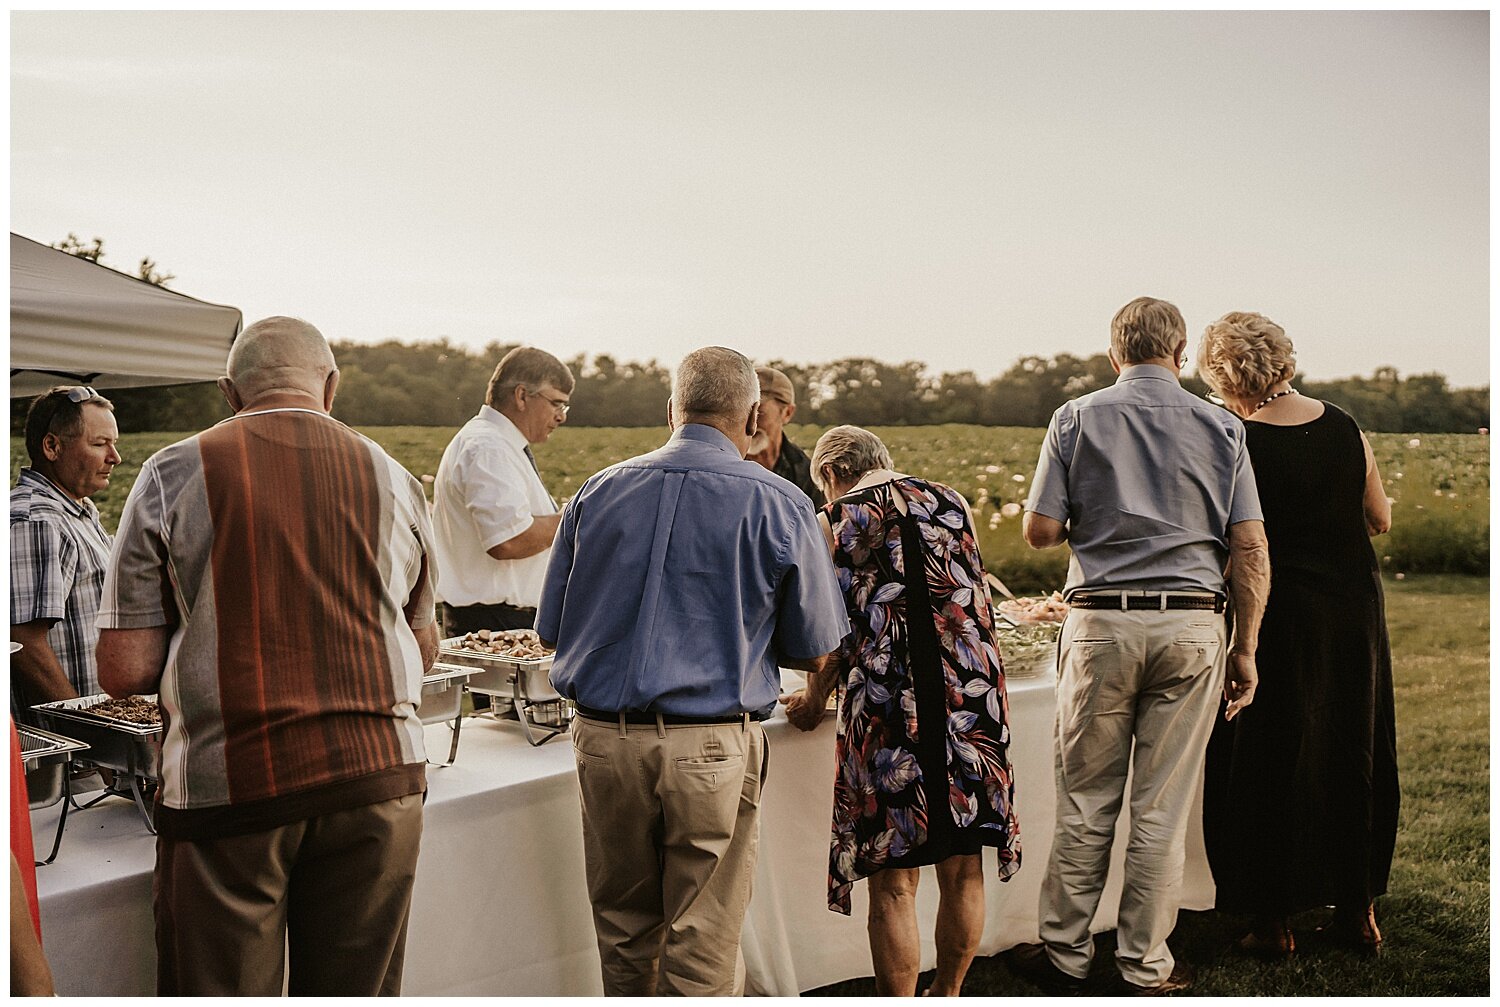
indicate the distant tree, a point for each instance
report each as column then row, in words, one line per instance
column 148, row 270
column 869, row 392
column 93, row 250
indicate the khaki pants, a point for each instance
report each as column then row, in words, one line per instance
column 1152, row 678
column 329, row 895
column 671, row 827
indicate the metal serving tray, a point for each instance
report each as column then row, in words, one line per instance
column 443, row 700
column 129, row 749
column 48, row 761
column 46, row 757
column 543, row 713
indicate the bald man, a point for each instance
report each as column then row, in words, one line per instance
column 270, row 581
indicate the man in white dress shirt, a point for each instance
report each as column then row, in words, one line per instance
column 493, row 520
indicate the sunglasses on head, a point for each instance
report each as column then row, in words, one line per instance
column 82, row 393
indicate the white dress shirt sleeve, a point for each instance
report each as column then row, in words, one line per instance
column 493, row 487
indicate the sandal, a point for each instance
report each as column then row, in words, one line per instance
column 1269, row 937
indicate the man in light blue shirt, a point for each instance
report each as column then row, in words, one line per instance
column 678, row 582
column 1152, row 488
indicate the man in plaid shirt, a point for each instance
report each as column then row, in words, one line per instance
column 58, row 548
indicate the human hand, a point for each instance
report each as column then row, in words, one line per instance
column 1240, row 680
column 803, row 710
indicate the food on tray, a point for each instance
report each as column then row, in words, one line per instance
column 134, row 710
column 517, row 644
column 1029, row 650
column 1029, row 611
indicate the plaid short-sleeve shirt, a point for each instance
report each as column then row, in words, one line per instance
column 58, row 554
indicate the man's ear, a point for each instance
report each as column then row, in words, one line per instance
column 671, row 422
column 231, row 394
column 790, row 412
column 51, row 447
column 752, row 421
column 330, row 389
column 1113, row 362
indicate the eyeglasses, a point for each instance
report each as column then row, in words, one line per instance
column 1210, row 396
column 82, row 393
column 561, row 405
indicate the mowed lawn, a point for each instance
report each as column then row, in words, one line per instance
column 1436, row 915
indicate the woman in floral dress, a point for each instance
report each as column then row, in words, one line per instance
column 923, row 774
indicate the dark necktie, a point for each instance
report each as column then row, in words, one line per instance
column 532, row 459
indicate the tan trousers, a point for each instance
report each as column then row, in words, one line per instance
column 329, row 895
column 671, row 827
column 1151, row 678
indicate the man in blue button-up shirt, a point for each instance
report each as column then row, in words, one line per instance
column 678, row 582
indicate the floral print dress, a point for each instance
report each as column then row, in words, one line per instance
column 922, row 763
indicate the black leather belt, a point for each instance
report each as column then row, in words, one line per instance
column 1147, row 601
column 647, row 717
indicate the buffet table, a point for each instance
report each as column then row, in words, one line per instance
column 500, row 905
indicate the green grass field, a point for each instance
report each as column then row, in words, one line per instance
column 1436, row 915
column 1440, row 485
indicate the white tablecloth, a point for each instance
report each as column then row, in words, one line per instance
column 500, row 905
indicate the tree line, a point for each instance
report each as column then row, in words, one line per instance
column 440, row 384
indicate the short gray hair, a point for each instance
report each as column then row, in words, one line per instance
column 850, row 452
column 530, row 368
column 1147, row 329
column 715, row 381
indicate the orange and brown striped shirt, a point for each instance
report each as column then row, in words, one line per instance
column 283, row 549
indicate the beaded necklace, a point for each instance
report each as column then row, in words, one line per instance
column 1271, row 398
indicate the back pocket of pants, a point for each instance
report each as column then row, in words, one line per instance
column 1086, row 664
column 709, row 773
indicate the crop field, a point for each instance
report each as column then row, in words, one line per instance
column 1439, row 482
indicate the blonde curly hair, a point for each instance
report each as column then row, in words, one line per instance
column 1243, row 354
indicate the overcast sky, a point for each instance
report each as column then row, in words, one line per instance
column 959, row 189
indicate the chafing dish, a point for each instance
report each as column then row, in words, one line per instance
column 542, row 713
column 443, row 700
column 47, row 759
column 131, row 750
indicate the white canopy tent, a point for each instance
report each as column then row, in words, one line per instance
column 73, row 321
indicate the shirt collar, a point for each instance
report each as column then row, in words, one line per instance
column 79, row 508
column 705, row 434
column 503, row 423
column 1157, row 371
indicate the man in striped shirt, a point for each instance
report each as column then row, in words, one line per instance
column 58, row 548
column 270, row 580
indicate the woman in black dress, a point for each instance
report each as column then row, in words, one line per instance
column 1300, row 796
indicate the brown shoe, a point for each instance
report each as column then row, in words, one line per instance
column 1353, row 932
column 1032, row 963
column 1181, row 978
column 1269, row 937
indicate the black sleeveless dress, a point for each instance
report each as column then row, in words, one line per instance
column 1300, row 795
